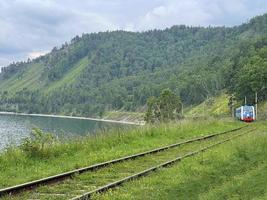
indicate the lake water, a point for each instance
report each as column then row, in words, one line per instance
column 14, row 128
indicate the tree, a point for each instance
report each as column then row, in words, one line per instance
column 153, row 112
column 98, row 72
column 166, row 107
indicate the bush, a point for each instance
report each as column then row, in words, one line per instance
column 38, row 143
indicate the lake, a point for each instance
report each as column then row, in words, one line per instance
column 13, row 128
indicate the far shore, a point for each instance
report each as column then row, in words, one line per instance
column 73, row 117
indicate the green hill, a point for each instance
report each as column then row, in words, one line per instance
column 100, row 72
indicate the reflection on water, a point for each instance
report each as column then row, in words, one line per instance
column 14, row 128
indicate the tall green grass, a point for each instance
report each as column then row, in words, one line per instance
column 235, row 170
column 18, row 166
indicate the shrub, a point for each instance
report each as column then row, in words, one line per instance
column 38, row 143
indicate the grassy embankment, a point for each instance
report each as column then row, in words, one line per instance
column 235, row 170
column 218, row 106
column 215, row 106
column 18, row 166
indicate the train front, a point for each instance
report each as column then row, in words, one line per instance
column 248, row 113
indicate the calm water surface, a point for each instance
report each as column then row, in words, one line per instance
column 14, row 128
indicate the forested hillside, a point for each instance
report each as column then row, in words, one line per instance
column 97, row 72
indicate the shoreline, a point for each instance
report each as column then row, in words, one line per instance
column 73, row 117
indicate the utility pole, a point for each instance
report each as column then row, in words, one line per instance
column 245, row 100
column 256, row 105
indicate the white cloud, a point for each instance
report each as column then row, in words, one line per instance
column 201, row 12
column 38, row 25
column 36, row 54
column 173, row 12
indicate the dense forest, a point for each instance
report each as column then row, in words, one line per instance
column 97, row 72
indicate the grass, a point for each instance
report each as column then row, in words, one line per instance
column 70, row 77
column 235, row 170
column 29, row 80
column 91, row 180
column 215, row 106
column 16, row 166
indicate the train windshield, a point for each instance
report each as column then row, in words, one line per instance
column 248, row 111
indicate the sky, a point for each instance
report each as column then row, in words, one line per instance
column 30, row 28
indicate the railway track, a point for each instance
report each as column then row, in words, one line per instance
column 75, row 184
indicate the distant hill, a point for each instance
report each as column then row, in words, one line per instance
column 99, row 72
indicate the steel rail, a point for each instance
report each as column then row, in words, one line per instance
column 60, row 177
column 118, row 183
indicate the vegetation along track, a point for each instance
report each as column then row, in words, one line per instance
column 114, row 171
